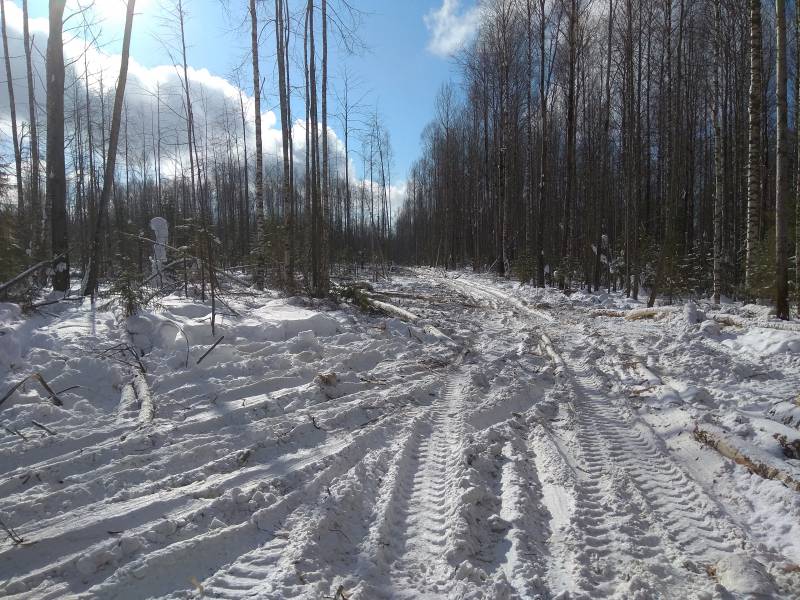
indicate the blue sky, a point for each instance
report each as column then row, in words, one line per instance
column 408, row 57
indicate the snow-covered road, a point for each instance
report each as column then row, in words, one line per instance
column 511, row 443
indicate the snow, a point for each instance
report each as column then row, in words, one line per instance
column 764, row 342
column 510, row 442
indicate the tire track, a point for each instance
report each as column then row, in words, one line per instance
column 420, row 547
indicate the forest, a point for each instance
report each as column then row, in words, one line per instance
column 634, row 145
column 621, row 144
column 289, row 221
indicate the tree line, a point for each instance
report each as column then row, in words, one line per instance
column 288, row 216
column 621, row 144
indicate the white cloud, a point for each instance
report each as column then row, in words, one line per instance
column 450, row 28
column 215, row 102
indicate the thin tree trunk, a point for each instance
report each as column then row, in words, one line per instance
column 260, row 242
column 35, row 201
column 544, row 149
column 781, row 169
column 286, row 129
column 719, row 176
column 90, row 285
column 326, row 201
column 754, row 165
column 13, row 107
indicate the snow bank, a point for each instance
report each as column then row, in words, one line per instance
column 764, row 342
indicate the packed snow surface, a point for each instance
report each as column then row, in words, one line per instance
column 511, row 442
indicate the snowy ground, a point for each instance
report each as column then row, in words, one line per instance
column 510, row 443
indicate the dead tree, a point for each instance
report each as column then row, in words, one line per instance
column 90, row 282
column 14, row 136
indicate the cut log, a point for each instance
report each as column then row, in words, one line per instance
column 753, row 459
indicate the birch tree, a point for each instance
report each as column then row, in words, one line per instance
column 754, row 142
column 259, row 175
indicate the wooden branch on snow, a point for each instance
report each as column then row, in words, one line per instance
column 753, row 459
column 207, row 352
column 51, row 395
column 43, row 427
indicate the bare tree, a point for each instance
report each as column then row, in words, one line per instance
column 90, row 282
column 286, row 135
column 35, row 201
column 14, row 136
column 326, row 201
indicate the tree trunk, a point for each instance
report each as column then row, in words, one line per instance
column 260, row 242
column 544, row 149
column 719, row 176
column 286, row 132
column 754, row 143
column 326, row 208
column 90, row 285
column 781, row 168
column 14, row 136
column 56, row 170
column 34, row 200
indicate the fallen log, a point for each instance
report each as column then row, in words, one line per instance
column 547, row 346
column 147, row 409
column 127, row 402
column 28, row 272
column 606, row 312
column 735, row 321
column 391, row 309
column 753, row 459
column 639, row 314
